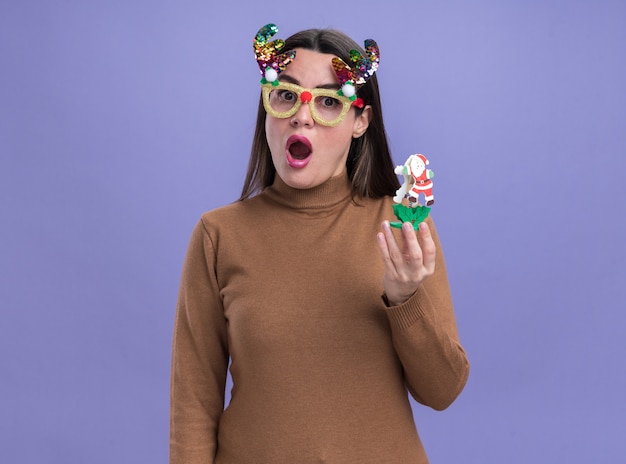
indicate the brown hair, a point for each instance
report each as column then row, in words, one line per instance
column 369, row 163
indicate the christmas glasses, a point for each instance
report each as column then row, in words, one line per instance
column 327, row 107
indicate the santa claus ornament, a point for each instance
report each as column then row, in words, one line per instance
column 417, row 185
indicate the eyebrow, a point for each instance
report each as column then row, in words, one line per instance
column 292, row 80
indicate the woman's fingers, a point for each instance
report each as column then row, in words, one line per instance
column 412, row 253
column 407, row 264
column 428, row 248
column 388, row 247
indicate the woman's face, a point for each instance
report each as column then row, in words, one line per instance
column 305, row 153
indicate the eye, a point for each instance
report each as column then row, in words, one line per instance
column 329, row 102
column 287, row 95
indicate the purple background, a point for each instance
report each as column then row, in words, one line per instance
column 122, row 121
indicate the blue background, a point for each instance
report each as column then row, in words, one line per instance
column 122, row 121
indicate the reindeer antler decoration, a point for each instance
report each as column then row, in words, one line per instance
column 271, row 64
column 364, row 68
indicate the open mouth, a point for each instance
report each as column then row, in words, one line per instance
column 298, row 151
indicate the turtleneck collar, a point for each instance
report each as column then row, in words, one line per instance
column 332, row 192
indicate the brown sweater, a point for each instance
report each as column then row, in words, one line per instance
column 287, row 286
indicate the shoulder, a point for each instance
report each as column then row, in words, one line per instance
column 375, row 205
column 243, row 213
column 226, row 212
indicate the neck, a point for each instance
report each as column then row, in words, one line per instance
column 335, row 190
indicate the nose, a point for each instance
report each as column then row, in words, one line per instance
column 303, row 117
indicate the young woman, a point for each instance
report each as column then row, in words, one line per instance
column 328, row 320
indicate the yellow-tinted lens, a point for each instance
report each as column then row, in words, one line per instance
column 328, row 108
column 282, row 100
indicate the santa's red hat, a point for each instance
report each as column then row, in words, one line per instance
column 423, row 158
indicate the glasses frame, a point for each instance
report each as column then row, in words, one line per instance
column 269, row 87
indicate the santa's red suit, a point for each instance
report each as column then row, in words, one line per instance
column 422, row 182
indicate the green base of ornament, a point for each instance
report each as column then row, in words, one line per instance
column 414, row 215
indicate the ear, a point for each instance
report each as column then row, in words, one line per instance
column 362, row 122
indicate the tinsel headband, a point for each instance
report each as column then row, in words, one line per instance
column 271, row 63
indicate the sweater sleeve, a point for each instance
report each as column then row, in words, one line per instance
column 199, row 357
column 426, row 340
